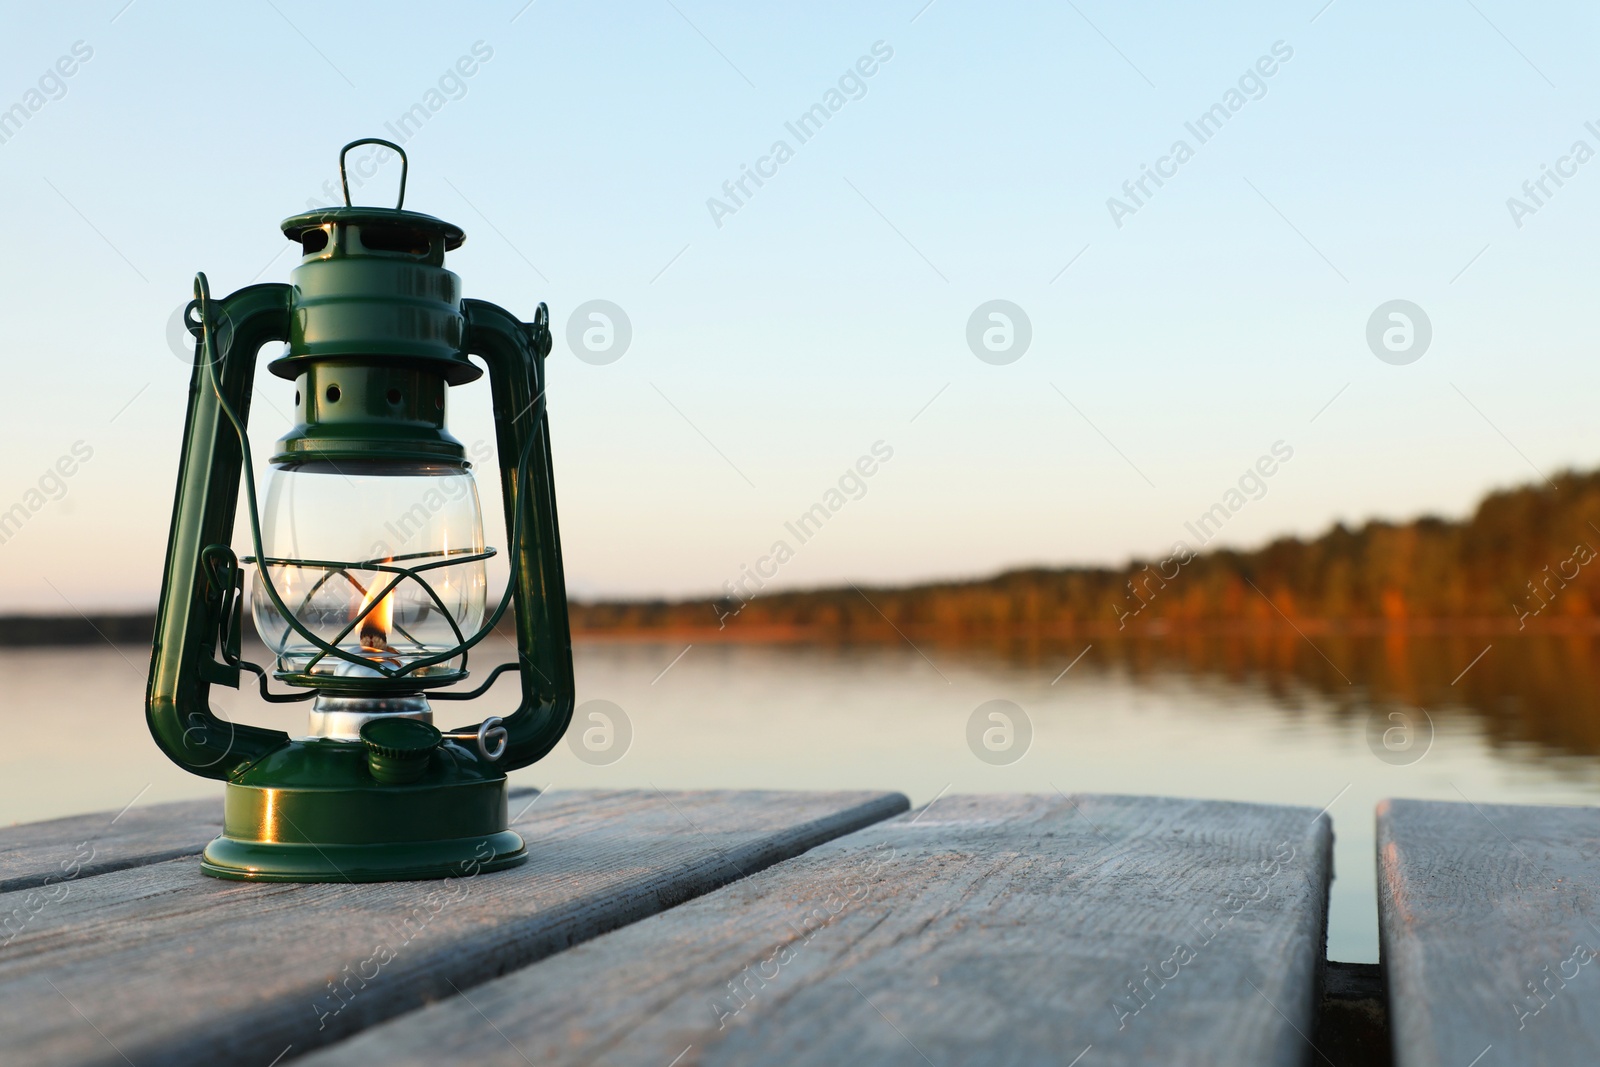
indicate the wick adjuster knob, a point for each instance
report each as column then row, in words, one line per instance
column 398, row 749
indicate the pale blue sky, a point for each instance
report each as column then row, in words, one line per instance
column 770, row 353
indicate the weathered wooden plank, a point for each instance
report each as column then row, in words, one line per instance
column 983, row 930
column 84, row 845
column 1488, row 914
column 162, row 965
column 43, row 853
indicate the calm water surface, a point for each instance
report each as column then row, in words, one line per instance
column 1268, row 721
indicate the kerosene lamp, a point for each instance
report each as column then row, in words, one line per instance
column 369, row 586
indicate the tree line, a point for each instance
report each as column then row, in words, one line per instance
column 1520, row 560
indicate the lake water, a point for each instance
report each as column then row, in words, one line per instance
column 1338, row 726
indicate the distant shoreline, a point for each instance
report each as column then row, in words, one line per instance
column 25, row 631
column 1519, row 564
column 138, row 628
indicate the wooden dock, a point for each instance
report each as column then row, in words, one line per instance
column 670, row 929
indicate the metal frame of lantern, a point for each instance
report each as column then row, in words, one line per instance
column 370, row 303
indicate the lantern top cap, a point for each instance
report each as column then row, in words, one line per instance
column 296, row 227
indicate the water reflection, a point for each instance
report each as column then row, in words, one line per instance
column 1264, row 718
column 1524, row 689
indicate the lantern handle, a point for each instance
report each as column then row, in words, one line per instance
column 514, row 352
column 405, row 165
column 190, row 621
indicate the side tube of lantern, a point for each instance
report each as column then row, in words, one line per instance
column 182, row 660
column 514, row 352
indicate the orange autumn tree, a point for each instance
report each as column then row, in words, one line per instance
column 1522, row 558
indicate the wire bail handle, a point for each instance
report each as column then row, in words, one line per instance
column 405, row 165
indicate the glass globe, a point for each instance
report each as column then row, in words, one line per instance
column 325, row 527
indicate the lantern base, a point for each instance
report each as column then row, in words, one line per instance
column 276, row 861
column 310, row 811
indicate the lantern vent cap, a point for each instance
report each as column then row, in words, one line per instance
column 297, row 227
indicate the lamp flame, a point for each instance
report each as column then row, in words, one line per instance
column 377, row 619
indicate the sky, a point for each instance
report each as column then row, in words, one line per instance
column 1176, row 335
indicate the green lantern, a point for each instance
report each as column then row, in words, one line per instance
column 369, row 562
